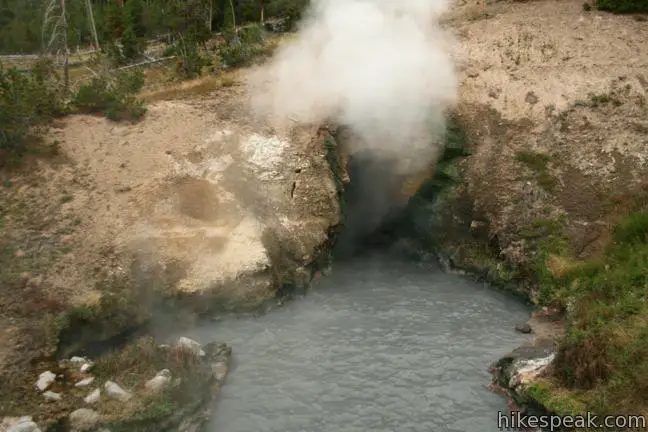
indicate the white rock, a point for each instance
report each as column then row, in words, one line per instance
column 52, row 396
column 191, row 345
column 85, row 382
column 83, row 419
column 219, row 371
column 78, row 360
column 113, row 391
column 527, row 370
column 28, row 426
column 160, row 381
column 86, row 367
column 93, row 397
column 45, row 380
column 18, row 424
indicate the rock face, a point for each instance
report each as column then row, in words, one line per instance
column 556, row 127
column 221, row 206
column 513, row 372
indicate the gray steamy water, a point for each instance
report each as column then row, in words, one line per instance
column 379, row 345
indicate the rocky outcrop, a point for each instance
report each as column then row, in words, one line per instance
column 556, row 125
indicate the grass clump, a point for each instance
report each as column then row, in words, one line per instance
column 113, row 97
column 539, row 164
column 554, row 399
column 605, row 349
column 140, row 361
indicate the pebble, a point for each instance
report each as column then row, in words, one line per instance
column 114, row 391
column 52, row 396
column 78, row 360
column 84, row 382
column 523, row 328
column 93, row 397
column 45, row 380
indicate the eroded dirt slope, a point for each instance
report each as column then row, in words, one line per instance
column 554, row 101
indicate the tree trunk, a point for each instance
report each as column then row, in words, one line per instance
column 210, row 18
column 262, row 11
column 93, row 27
column 66, row 61
column 231, row 2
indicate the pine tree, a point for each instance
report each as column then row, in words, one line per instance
column 134, row 17
column 114, row 21
column 131, row 48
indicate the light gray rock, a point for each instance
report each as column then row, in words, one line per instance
column 52, row 396
column 18, row 424
column 93, row 397
column 114, row 391
column 85, row 367
column 24, row 426
column 83, row 419
column 191, row 346
column 219, row 371
column 45, row 380
column 159, row 382
column 78, row 360
column 85, row 382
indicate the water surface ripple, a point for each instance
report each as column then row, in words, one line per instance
column 380, row 345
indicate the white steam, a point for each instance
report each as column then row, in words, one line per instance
column 381, row 67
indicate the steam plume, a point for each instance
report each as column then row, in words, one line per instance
column 381, row 67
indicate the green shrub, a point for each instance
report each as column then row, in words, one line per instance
column 252, row 34
column 191, row 62
column 292, row 10
column 114, row 98
column 242, row 54
column 623, row 6
column 27, row 102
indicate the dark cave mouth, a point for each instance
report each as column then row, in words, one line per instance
column 375, row 210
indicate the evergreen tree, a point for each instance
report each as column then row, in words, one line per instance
column 134, row 17
column 131, row 48
column 114, row 26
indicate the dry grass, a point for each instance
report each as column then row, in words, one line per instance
column 141, row 360
column 561, row 265
column 194, row 88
